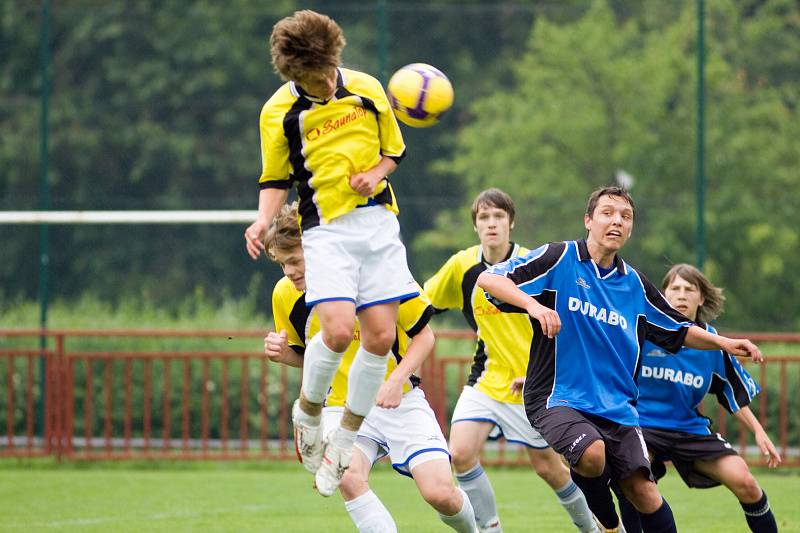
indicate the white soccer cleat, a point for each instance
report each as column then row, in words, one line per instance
column 307, row 441
column 335, row 461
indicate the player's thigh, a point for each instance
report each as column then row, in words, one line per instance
column 378, row 326
column 730, row 470
column 337, row 318
column 434, row 476
column 466, row 440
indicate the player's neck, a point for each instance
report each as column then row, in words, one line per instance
column 601, row 255
column 493, row 255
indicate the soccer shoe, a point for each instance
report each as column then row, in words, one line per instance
column 335, row 460
column 307, row 441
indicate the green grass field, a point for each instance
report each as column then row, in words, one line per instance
column 41, row 496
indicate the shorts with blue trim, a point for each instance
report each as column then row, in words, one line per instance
column 509, row 419
column 357, row 257
column 408, row 434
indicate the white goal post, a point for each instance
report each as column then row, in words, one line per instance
column 128, row 217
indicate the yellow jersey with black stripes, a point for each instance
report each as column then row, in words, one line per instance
column 291, row 314
column 504, row 339
column 319, row 144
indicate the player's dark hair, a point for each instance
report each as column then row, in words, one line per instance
column 493, row 197
column 712, row 295
column 306, row 45
column 284, row 233
column 620, row 192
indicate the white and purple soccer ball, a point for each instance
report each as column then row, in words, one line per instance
column 419, row 94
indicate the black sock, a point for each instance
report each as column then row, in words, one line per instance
column 759, row 515
column 598, row 496
column 660, row 521
column 629, row 514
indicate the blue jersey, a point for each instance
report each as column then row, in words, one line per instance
column 672, row 387
column 592, row 364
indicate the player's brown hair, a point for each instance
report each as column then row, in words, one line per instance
column 306, row 45
column 284, row 233
column 613, row 190
column 493, row 197
column 714, row 300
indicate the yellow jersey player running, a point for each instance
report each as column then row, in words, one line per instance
column 491, row 403
column 331, row 131
column 402, row 425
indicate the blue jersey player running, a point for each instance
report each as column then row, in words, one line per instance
column 670, row 391
column 591, row 313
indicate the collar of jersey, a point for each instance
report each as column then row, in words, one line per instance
column 299, row 92
column 511, row 252
column 583, row 255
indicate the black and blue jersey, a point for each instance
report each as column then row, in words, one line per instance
column 591, row 365
column 671, row 387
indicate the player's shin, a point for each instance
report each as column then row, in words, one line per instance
column 319, row 367
column 464, row 520
column 598, row 496
column 661, row 521
column 574, row 502
column 759, row 515
column 476, row 484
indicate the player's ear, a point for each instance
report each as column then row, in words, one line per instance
column 587, row 221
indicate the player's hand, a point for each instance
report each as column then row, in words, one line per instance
column 254, row 238
column 548, row 318
column 390, row 394
column 743, row 348
column 768, row 449
column 276, row 346
column 364, row 183
column 516, row 385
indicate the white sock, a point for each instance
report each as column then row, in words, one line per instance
column 370, row 515
column 464, row 520
column 574, row 502
column 344, row 438
column 366, row 375
column 319, row 367
column 476, row 484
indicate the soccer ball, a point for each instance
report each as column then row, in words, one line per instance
column 419, row 94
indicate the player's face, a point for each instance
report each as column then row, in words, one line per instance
column 493, row 226
column 684, row 296
column 293, row 265
column 322, row 85
column 611, row 224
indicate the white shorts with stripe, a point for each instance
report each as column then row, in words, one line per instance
column 409, row 434
column 358, row 257
column 509, row 419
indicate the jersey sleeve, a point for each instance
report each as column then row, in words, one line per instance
column 731, row 383
column 275, row 167
column 283, row 305
column 444, row 288
column 414, row 314
column 665, row 326
column 529, row 272
column 391, row 137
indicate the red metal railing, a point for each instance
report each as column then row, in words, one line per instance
column 200, row 404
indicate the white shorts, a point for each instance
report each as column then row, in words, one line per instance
column 358, row 257
column 509, row 419
column 409, row 434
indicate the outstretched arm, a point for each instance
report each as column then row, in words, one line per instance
column 700, row 339
column 506, row 290
column 391, row 392
column 746, row 416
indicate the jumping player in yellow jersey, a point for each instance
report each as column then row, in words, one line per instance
column 491, row 403
column 331, row 131
column 402, row 425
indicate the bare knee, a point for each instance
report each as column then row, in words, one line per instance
column 379, row 342
column 642, row 493
column 443, row 497
column 338, row 336
column 548, row 466
column 352, row 486
column 593, row 460
column 462, row 458
column 747, row 489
